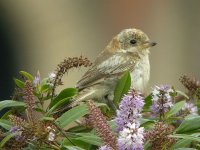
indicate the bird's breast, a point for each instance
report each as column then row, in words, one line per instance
column 140, row 74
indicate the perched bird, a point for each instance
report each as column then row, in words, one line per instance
column 129, row 50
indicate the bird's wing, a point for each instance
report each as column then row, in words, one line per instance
column 115, row 64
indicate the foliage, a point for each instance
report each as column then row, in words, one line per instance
column 33, row 122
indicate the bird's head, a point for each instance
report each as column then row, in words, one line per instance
column 132, row 40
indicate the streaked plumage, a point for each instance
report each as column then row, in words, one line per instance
column 129, row 50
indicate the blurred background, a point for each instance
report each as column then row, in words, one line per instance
column 37, row 35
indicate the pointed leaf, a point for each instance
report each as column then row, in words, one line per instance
column 44, row 88
column 189, row 124
column 73, row 148
column 19, row 83
column 148, row 102
column 186, row 149
column 6, row 114
column 181, row 143
column 68, row 92
column 147, row 145
column 73, row 142
column 122, row 87
column 182, row 93
column 90, row 138
column 47, row 119
column 11, row 103
column 186, row 136
column 5, row 124
column 72, row 115
column 27, row 75
column 176, row 108
column 6, row 139
column 59, row 103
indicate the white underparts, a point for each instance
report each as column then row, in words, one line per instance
column 141, row 74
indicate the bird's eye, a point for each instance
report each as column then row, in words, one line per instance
column 133, row 41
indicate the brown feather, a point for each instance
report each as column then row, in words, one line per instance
column 118, row 65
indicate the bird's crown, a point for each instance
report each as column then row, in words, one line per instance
column 132, row 34
column 131, row 40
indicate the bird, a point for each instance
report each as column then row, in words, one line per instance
column 127, row 51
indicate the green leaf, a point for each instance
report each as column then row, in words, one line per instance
column 122, row 87
column 183, row 94
column 190, row 116
column 5, row 124
column 6, row 139
column 11, row 103
column 186, row 137
column 5, row 115
column 185, row 149
column 27, row 75
column 68, row 92
column 145, row 121
column 44, row 88
column 89, row 138
column 148, row 102
column 44, row 81
column 72, row 142
column 72, row 115
column 189, row 124
column 39, row 110
column 78, row 129
column 147, row 145
column 47, row 119
column 73, row 148
column 176, row 108
column 19, row 83
column 61, row 102
column 181, row 143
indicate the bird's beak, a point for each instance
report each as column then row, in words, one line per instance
column 148, row 44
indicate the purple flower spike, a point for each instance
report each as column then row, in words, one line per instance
column 129, row 110
column 131, row 137
column 36, row 80
column 162, row 99
column 190, row 108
